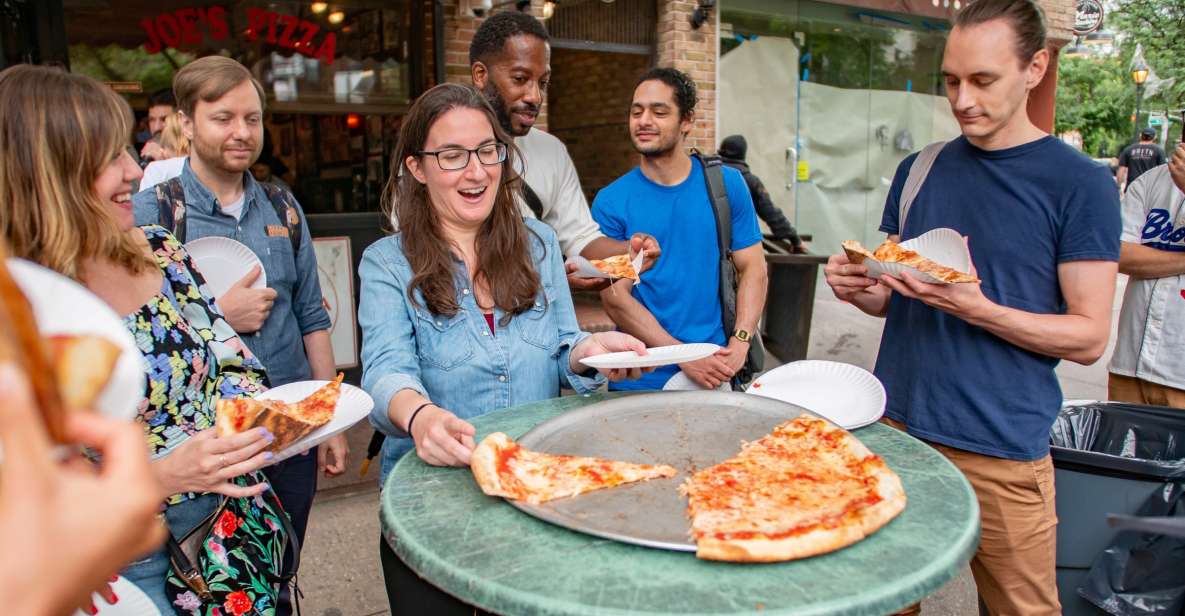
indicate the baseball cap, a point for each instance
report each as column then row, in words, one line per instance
column 1148, row 132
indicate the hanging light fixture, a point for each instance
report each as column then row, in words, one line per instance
column 318, row 7
column 336, row 17
column 549, row 8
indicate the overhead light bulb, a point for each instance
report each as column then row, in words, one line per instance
column 336, row 17
column 319, row 7
column 958, row 5
column 548, row 9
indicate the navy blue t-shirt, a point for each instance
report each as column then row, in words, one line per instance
column 1025, row 210
column 682, row 290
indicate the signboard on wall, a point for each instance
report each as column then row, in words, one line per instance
column 1088, row 17
column 191, row 27
column 335, row 271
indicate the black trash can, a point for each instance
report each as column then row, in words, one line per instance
column 1107, row 458
column 786, row 325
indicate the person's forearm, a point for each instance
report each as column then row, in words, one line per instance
column 751, row 290
column 319, row 349
column 1121, row 176
column 402, row 405
column 1078, row 338
column 1145, row 262
column 632, row 317
column 605, row 247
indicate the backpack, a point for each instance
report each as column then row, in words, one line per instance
column 718, row 197
column 170, row 201
column 918, row 171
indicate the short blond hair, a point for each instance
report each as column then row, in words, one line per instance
column 173, row 138
column 59, row 132
column 209, row 79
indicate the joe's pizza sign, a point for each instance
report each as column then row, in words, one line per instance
column 192, row 27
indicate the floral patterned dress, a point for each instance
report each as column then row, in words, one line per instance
column 193, row 355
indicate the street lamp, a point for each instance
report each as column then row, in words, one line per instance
column 1139, row 76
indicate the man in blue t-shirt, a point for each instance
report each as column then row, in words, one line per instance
column 678, row 300
column 970, row 367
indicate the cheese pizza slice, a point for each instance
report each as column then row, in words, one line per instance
column 83, row 366
column 287, row 422
column 892, row 252
column 806, row 488
column 617, row 266
column 504, row 468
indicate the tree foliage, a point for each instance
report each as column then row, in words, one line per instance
column 1158, row 25
column 1095, row 96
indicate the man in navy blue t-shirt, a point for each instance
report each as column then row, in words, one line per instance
column 970, row 367
column 678, row 300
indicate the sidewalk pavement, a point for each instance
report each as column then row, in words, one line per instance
column 340, row 572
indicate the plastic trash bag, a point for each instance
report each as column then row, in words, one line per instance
column 1142, row 573
column 1139, row 574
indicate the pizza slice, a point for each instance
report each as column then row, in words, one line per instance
column 617, row 266
column 83, row 366
column 21, row 344
column 892, row 252
column 287, row 422
column 504, row 468
column 807, row 488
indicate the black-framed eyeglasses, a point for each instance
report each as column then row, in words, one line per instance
column 454, row 159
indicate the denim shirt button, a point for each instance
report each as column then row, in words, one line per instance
column 502, row 378
column 439, row 324
column 465, row 291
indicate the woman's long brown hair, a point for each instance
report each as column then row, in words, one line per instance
column 504, row 261
column 58, row 132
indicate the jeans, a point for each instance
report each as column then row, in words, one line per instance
column 148, row 574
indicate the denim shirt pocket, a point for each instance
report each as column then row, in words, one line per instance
column 537, row 326
column 280, row 263
column 443, row 341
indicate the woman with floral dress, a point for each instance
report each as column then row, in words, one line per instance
column 65, row 202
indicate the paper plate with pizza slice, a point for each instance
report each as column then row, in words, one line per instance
column 939, row 256
column 619, row 266
column 93, row 356
column 300, row 415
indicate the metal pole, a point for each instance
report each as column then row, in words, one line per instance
column 1139, row 95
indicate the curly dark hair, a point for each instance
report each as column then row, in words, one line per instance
column 680, row 82
column 162, row 97
column 490, row 38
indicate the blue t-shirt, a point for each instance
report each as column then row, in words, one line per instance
column 1025, row 210
column 682, row 290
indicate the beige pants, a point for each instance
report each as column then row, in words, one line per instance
column 1138, row 391
column 1014, row 567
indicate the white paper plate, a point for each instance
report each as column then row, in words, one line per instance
column 943, row 246
column 658, row 356
column 848, row 395
column 63, row 306
column 353, row 406
column 585, row 268
column 132, row 601
column 223, row 262
column 681, row 382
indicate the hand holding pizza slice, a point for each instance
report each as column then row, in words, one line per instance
column 287, row 422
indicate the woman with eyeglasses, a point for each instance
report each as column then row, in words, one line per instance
column 465, row 309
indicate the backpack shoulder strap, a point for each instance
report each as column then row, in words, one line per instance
column 170, row 203
column 913, row 183
column 284, row 203
column 718, row 197
column 533, row 201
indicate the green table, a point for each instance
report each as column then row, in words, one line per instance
column 489, row 554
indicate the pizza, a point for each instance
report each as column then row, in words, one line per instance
column 807, row 488
column 617, row 267
column 892, row 252
column 82, row 365
column 504, row 468
column 287, row 422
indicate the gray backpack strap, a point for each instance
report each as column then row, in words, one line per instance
column 913, row 183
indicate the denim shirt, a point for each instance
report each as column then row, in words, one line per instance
column 298, row 309
column 454, row 361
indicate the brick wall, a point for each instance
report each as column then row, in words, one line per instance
column 589, row 102
column 692, row 51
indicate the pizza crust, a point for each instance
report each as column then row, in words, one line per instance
column 892, row 252
column 484, row 463
column 273, row 415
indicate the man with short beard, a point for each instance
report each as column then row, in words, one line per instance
column 222, row 115
column 161, row 105
column 510, row 62
column 667, row 197
column 969, row 367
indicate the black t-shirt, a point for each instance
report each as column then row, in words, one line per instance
column 1140, row 157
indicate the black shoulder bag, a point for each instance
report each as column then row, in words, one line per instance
column 718, row 197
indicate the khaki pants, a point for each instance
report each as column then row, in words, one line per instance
column 1138, row 391
column 1014, row 567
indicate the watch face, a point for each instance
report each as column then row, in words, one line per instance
column 742, row 335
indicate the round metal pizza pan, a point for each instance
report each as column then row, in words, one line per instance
column 688, row 430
